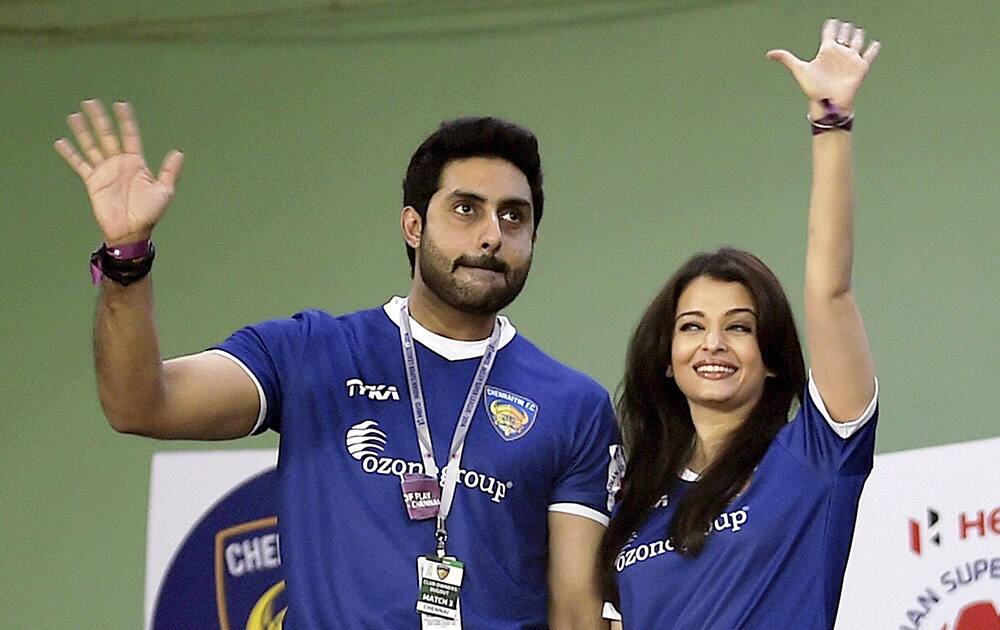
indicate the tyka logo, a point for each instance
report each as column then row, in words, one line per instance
column 918, row 532
column 357, row 387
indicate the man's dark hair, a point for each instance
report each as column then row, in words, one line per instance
column 465, row 138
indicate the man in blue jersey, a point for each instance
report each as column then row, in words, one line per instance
column 431, row 458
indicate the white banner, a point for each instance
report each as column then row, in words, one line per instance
column 926, row 550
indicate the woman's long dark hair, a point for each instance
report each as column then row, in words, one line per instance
column 656, row 419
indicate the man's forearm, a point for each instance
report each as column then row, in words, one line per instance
column 575, row 601
column 127, row 354
column 578, row 619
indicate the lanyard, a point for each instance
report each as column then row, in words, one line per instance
column 450, row 475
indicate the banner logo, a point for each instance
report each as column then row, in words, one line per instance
column 977, row 616
column 917, row 532
column 240, row 552
column 228, row 574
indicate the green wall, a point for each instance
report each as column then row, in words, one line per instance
column 663, row 131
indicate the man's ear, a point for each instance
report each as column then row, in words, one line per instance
column 412, row 226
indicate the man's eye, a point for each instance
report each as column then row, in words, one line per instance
column 513, row 216
column 464, row 208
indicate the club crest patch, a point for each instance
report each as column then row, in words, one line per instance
column 512, row 415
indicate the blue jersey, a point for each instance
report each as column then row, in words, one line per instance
column 335, row 389
column 775, row 557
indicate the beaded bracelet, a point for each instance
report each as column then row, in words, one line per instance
column 123, row 264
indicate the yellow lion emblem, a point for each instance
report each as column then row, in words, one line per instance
column 508, row 418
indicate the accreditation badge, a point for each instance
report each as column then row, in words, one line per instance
column 421, row 496
column 440, row 586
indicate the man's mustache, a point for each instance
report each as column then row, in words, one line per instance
column 482, row 262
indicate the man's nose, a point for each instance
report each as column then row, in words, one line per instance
column 491, row 235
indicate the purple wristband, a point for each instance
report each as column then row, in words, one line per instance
column 127, row 251
column 835, row 118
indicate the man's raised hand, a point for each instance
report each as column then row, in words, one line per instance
column 127, row 200
column 838, row 69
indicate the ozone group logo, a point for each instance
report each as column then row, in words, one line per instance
column 365, row 439
column 227, row 573
column 365, row 442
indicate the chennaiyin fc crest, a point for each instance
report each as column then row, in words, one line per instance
column 512, row 415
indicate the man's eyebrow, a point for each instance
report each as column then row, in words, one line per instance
column 515, row 202
column 466, row 194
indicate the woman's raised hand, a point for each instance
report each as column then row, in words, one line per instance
column 838, row 69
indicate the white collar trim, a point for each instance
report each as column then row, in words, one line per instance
column 451, row 349
column 689, row 475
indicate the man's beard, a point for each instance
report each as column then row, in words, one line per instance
column 437, row 273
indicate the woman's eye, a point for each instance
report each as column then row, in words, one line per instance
column 689, row 326
column 743, row 328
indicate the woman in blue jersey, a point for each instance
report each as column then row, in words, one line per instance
column 730, row 515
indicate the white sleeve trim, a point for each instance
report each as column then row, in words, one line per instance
column 843, row 429
column 262, row 413
column 610, row 612
column 580, row 510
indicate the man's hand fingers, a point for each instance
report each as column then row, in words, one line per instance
column 170, row 170
column 81, row 132
column 131, row 140
column 872, row 52
column 102, row 126
column 77, row 163
column 785, row 58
